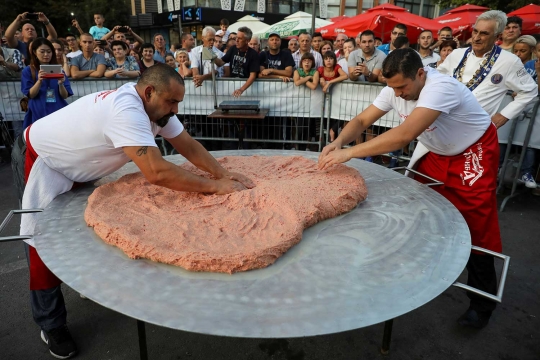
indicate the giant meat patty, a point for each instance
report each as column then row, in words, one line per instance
column 241, row 231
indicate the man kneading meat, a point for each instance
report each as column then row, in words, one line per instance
column 457, row 145
column 93, row 137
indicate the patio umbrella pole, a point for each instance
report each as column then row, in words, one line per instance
column 314, row 11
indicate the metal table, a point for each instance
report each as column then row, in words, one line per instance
column 396, row 251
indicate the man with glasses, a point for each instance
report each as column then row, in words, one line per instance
column 399, row 30
column 73, row 46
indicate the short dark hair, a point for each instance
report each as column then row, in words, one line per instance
column 426, row 30
column 401, row 41
column 185, row 36
column 309, row 56
column 401, row 26
column 316, row 34
column 402, row 61
column 330, row 55
column 230, row 40
column 447, row 43
column 159, row 76
column 118, row 42
column 378, row 38
column 247, row 31
column 224, row 22
column 515, row 20
column 351, row 40
column 148, row 46
column 70, row 34
column 446, row 28
column 100, row 14
column 367, row 33
column 233, row 32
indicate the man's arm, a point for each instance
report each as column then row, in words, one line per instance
column 276, row 74
column 247, row 84
column 79, row 74
column 110, row 33
column 12, row 29
column 99, row 72
column 417, row 122
column 521, row 82
column 75, row 23
column 135, row 36
column 160, row 172
column 50, row 29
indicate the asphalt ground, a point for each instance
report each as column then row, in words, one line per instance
column 430, row 332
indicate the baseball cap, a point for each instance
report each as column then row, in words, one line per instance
column 273, row 33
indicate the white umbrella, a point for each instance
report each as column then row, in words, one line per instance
column 293, row 25
column 254, row 24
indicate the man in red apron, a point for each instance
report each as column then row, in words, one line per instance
column 457, row 145
column 91, row 138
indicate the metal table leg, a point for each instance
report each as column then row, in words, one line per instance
column 143, row 351
column 387, row 336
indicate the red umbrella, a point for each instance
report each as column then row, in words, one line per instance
column 531, row 18
column 461, row 19
column 381, row 20
column 339, row 18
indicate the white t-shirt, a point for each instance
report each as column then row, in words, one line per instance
column 344, row 65
column 508, row 73
column 84, row 140
column 196, row 61
column 462, row 120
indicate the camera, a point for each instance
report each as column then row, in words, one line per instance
column 123, row 29
column 34, row 16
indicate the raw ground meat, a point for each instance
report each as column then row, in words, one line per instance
column 241, row 231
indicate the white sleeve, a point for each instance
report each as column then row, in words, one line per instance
column 446, row 67
column 384, row 100
column 195, row 63
column 129, row 127
column 519, row 81
column 435, row 96
column 173, row 128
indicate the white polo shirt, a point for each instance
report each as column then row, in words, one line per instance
column 508, row 73
column 204, row 65
column 462, row 120
column 84, row 140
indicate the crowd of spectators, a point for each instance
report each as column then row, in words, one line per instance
column 306, row 60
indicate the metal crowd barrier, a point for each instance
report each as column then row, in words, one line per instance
column 298, row 118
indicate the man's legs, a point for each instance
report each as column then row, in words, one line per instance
column 48, row 307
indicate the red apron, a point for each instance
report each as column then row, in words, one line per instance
column 470, row 182
column 41, row 277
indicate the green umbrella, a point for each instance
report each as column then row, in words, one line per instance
column 293, row 25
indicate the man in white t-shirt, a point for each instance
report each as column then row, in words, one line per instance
column 93, row 137
column 460, row 149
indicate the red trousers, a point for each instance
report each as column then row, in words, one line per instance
column 41, row 277
column 470, row 182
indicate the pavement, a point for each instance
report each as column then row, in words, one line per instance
column 430, row 332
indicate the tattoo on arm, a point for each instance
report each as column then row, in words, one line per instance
column 142, row 151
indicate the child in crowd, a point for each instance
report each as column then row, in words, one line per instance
column 331, row 73
column 224, row 25
column 98, row 30
column 307, row 74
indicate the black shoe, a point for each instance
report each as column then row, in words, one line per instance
column 61, row 344
column 474, row 319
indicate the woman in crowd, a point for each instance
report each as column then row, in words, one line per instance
column 45, row 96
column 169, row 60
column 147, row 56
column 184, row 67
column 326, row 46
column 61, row 57
column 307, row 74
column 134, row 53
column 533, row 66
column 525, row 48
column 445, row 49
column 120, row 65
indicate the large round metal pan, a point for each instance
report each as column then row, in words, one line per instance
column 400, row 248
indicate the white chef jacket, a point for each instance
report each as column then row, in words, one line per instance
column 508, row 73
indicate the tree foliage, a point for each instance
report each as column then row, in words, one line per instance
column 59, row 12
column 504, row 5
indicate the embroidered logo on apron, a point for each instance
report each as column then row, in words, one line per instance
column 473, row 170
column 496, row 79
